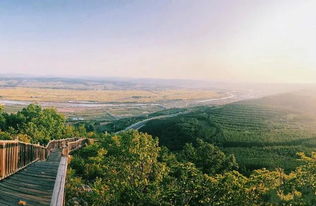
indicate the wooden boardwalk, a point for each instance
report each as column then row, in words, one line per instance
column 33, row 185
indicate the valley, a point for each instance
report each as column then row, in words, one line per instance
column 108, row 100
column 261, row 133
column 184, row 135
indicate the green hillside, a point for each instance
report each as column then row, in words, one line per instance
column 216, row 156
column 263, row 133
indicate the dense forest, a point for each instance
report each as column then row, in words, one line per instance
column 130, row 168
column 260, row 136
column 246, row 153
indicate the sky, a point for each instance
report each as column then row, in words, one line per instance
column 222, row 40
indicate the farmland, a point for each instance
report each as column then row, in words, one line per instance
column 106, row 99
column 104, row 105
column 108, row 96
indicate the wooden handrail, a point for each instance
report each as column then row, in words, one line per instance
column 16, row 155
column 59, row 187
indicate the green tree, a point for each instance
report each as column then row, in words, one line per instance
column 207, row 157
column 123, row 170
column 40, row 124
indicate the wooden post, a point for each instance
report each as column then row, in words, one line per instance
column 2, row 160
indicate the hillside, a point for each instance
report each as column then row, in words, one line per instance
column 261, row 133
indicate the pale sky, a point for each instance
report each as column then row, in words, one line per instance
column 223, row 40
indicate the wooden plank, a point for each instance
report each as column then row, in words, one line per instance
column 34, row 184
column 41, row 183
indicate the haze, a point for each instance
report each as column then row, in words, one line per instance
column 227, row 40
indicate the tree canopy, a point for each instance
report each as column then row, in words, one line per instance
column 35, row 124
column 130, row 168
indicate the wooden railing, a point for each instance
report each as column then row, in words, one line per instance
column 61, row 144
column 58, row 196
column 16, row 155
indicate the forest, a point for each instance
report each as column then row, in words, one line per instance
column 130, row 168
column 245, row 153
column 158, row 102
column 259, row 136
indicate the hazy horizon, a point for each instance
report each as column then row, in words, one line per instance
column 118, row 78
column 231, row 41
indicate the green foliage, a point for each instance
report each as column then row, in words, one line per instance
column 131, row 169
column 5, row 136
column 176, row 131
column 183, row 185
column 121, row 124
column 208, row 158
column 188, row 169
column 122, row 169
column 42, row 124
column 36, row 125
column 258, row 135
